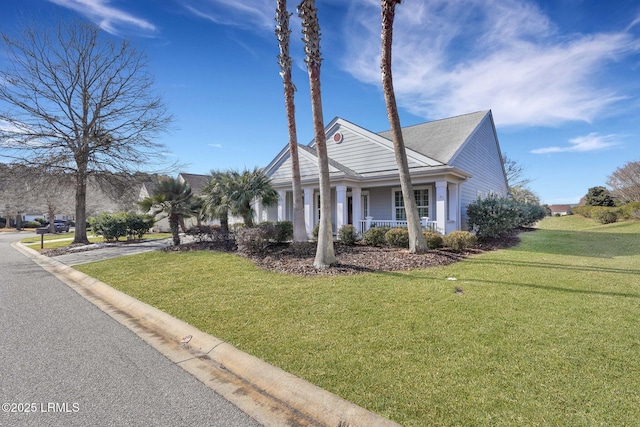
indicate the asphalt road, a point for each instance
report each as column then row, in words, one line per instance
column 63, row 362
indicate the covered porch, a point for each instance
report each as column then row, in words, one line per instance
column 367, row 206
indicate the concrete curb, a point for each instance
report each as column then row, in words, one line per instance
column 270, row 395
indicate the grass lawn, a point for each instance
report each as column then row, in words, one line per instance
column 545, row 333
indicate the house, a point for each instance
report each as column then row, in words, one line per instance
column 452, row 162
column 560, row 210
column 196, row 182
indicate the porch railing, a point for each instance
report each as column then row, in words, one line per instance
column 370, row 222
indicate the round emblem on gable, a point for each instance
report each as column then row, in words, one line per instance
column 337, row 137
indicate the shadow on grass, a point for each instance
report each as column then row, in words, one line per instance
column 558, row 266
column 583, row 243
column 466, row 280
column 560, row 289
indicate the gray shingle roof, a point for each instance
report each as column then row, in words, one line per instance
column 195, row 181
column 440, row 139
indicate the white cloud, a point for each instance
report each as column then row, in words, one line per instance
column 246, row 14
column 109, row 18
column 456, row 56
column 581, row 144
column 215, row 145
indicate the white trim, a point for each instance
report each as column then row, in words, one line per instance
column 429, row 189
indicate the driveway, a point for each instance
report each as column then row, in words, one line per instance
column 64, row 362
column 101, row 251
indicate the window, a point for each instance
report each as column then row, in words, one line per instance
column 422, row 200
column 365, row 205
column 289, row 206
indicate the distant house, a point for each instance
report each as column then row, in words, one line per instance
column 452, row 162
column 560, row 210
column 196, row 182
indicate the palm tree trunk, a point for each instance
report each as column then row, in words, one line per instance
column 283, row 32
column 174, row 226
column 417, row 241
column 224, row 222
column 325, row 254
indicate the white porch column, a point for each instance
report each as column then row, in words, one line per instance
column 282, row 205
column 454, row 208
column 356, row 206
column 257, row 211
column 342, row 213
column 441, row 205
column 308, row 210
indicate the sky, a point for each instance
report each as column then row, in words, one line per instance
column 560, row 76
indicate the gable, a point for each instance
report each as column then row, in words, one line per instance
column 280, row 170
column 195, row 181
column 480, row 156
column 357, row 152
column 366, row 152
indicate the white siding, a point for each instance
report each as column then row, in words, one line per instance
column 380, row 203
column 480, row 156
column 307, row 169
column 361, row 154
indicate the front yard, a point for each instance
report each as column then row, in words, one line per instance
column 544, row 333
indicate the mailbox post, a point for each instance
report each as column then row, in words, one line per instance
column 41, row 231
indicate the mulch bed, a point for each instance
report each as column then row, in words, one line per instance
column 298, row 258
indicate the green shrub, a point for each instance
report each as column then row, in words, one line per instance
column 284, row 231
column 254, row 240
column 459, row 240
column 604, row 215
column 530, row 213
column 138, row 225
column 434, row 240
column 584, row 211
column 630, row 210
column 375, row 236
column 31, row 224
column 397, row 237
column 495, row 216
column 348, row 234
column 114, row 226
column 207, row 233
column 316, row 232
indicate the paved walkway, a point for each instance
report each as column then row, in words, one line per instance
column 102, row 251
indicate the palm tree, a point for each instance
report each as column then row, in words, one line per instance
column 249, row 187
column 325, row 254
column 174, row 199
column 216, row 194
column 282, row 33
column 417, row 241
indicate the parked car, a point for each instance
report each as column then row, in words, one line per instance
column 60, row 225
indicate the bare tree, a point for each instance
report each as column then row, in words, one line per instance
column 283, row 32
column 51, row 193
column 625, row 182
column 25, row 190
column 80, row 103
column 325, row 253
column 417, row 241
column 514, row 173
